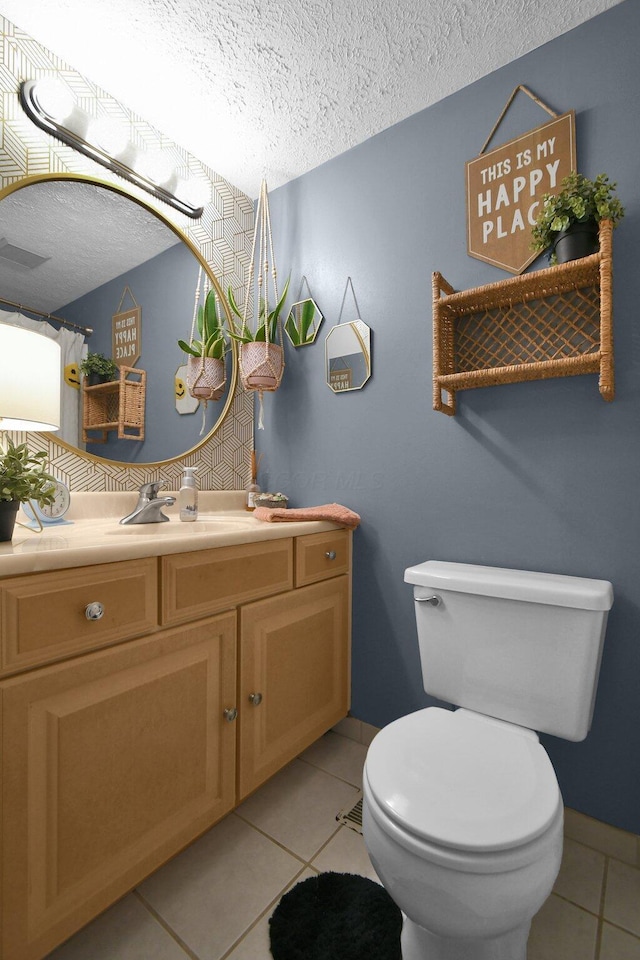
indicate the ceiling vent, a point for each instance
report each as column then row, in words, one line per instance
column 20, row 257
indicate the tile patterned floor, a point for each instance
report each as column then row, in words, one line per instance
column 213, row 901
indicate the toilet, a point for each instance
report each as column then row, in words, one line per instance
column 462, row 812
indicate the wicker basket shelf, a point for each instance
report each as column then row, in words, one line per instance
column 551, row 323
column 117, row 405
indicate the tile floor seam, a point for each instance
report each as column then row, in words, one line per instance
column 578, row 906
column 268, row 836
column 324, row 845
column 334, row 775
column 266, row 910
column 165, row 926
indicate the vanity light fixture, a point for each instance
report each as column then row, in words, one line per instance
column 52, row 108
column 29, row 380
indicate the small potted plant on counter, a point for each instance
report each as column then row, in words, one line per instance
column 98, row 369
column 22, row 477
column 206, row 370
column 568, row 220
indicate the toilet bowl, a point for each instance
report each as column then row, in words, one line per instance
column 462, row 813
column 462, row 818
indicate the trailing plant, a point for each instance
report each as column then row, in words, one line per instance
column 267, row 320
column 298, row 326
column 23, row 476
column 211, row 342
column 578, row 201
column 99, row 364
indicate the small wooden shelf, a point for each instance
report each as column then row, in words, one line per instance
column 551, row 323
column 117, row 405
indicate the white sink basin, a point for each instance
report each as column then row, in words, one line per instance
column 176, row 528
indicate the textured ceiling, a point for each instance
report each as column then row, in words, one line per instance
column 275, row 87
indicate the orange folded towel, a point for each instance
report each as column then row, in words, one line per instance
column 328, row 511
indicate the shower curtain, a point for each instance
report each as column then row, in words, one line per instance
column 72, row 350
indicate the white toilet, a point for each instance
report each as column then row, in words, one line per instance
column 462, row 813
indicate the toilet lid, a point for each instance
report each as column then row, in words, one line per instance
column 463, row 781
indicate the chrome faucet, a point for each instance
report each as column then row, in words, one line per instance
column 149, row 506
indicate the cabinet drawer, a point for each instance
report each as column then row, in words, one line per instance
column 322, row 555
column 43, row 616
column 204, row 582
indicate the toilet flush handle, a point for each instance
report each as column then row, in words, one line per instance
column 434, row 601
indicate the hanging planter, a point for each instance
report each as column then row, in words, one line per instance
column 206, row 367
column 206, row 377
column 261, row 365
column 261, row 360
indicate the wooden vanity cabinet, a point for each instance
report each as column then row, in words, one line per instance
column 112, row 762
column 114, row 759
column 293, row 682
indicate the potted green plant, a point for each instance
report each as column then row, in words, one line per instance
column 261, row 357
column 206, row 373
column 98, row 369
column 22, row 477
column 568, row 220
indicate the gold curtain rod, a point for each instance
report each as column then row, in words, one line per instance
column 49, row 316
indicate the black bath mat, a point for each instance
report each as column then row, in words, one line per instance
column 336, row 916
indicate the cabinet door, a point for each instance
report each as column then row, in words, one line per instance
column 111, row 764
column 294, row 676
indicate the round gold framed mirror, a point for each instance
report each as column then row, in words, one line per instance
column 86, row 251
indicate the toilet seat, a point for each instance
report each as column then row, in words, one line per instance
column 463, row 781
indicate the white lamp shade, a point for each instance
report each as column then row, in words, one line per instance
column 30, row 380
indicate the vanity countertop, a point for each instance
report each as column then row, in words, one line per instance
column 96, row 536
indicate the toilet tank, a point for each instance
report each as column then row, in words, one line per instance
column 521, row 646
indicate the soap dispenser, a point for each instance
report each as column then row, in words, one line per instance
column 188, row 495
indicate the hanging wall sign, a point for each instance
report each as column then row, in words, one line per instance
column 126, row 334
column 505, row 187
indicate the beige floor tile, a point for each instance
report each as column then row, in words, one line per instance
column 212, row 892
column 339, row 756
column 298, row 807
column 127, row 931
column 615, row 843
column 581, row 875
column 368, row 733
column 350, row 728
column 255, row 945
column 622, row 897
column 561, row 931
column 618, row 945
column 345, row 853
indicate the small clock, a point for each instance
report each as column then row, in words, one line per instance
column 50, row 513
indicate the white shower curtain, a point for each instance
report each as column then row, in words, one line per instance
column 72, row 350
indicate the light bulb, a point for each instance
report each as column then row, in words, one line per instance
column 53, row 99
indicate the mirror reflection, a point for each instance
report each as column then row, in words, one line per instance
column 91, row 255
column 303, row 322
column 348, row 356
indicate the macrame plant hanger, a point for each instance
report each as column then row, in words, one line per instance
column 262, row 362
column 202, row 388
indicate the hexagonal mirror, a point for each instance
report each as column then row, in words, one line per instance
column 303, row 322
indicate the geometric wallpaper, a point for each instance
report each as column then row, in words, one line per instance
column 223, row 235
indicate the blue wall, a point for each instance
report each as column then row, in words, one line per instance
column 164, row 288
column 542, row 476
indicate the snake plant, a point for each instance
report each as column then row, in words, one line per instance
column 300, row 325
column 267, row 321
column 212, row 342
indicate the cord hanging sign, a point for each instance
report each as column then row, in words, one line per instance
column 505, row 188
column 126, row 339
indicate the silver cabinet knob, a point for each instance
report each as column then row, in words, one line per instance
column 434, row 601
column 255, row 699
column 230, row 714
column 330, row 554
column 94, row 611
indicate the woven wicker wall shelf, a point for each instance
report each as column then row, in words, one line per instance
column 551, row 323
column 117, row 405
